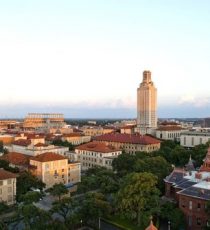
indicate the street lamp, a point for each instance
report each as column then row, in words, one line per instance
column 99, row 223
column 81, row 222
column 169, row 225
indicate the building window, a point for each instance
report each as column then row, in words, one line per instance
column 192, row 141
column 1, row 182
column 0, row 191
column 199, row 206
column 9, row 181
column 190, row 220
column 62, row 170
column 9, row 189
column 55, row 173
column 62, row 176
column 184, row 140
column 198, row 221
column 47, row 167
column 9, row 198
column 190, row 205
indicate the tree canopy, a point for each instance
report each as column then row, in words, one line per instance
column 138, row 196
column 58, row 190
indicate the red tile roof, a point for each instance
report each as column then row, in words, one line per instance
column 16, row 158
column 40, row 145
column 170, row 128
column 22, row 142
column 169, row 123
column 151, row 226
column 128, row 138
column 97, row 147
column 34, row 136
column 4, row 175
column 45, row 157
column 128, row 127
column 72, row 135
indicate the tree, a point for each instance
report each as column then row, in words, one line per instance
column 1, row 147
column 3, row 226
column 156, row 165
column 5, row 165
column 31, row 197
column 138, row 195
column 25, row 182
column 99, row 178
column 124, row 163
column 58, row 190
column 93, row 206
column 65, row 208
column 33, row 217
column 3, row 207
column 63, row 143
column 171, row 213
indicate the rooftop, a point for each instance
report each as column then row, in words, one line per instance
column 22, row 142
column 97, row 147
column 16, row 158
column 128, row 138
column 4, row 175
column 170, row 128
column 49, row 156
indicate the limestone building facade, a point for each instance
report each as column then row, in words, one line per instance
column 146, row 105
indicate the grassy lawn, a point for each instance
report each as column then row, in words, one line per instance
column 123, row 223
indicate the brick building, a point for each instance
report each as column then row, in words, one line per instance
column 191, row 190
column 130, row 143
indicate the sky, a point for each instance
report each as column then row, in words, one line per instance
column 86, row 58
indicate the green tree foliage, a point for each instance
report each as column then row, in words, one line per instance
column 25, row 182
column 33, row 217
column 93, row 206
column 3, row 226
column 99, row 178
column 179, row 156
column 156, row 165
column 138, row 196
column 63, row 143
column 58, row 190
column 5, row 165
column 1, row 147
column 171, row 213
column 31, row 197
column 124, row 163
column 3, row 207
column 65, row 208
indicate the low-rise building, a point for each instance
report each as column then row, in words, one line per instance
column 169, row 132
column 191, row 190
column 76, row 138
column 96, row 131
column 7, row 187
column 128, row 129
column 6, row 139
column 27, row 147
column 18, row 160
column 192, row 138
column 130, row 143
column 96, row 154
column 53, row 168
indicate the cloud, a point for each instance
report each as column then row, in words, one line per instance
column 197, row 102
